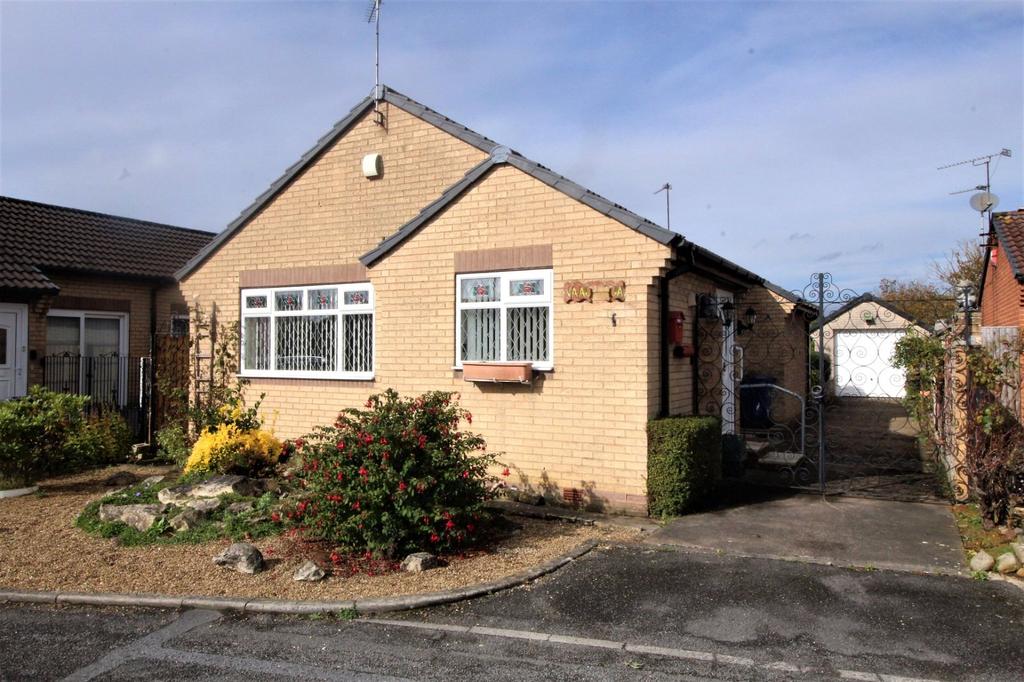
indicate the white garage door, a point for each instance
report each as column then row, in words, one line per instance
column 863, row 365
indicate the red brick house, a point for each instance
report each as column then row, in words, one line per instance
column 1002, row 281
column 83, row 295
column 1001, row 294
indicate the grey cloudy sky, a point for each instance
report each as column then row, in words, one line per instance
column 799, row 137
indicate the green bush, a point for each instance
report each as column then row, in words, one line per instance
column 173, row 444
column 684, row 463
column 47, row 433
column 394, row 478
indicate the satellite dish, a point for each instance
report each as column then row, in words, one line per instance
column 983, row 201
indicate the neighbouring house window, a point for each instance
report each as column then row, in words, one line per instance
column 86, row 353
column 504, row 317
column 179, row 325
column 321, row 331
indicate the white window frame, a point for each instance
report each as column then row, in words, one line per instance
column 122, row 336
column 122, row 341
column 506, row 302
column 340, row 312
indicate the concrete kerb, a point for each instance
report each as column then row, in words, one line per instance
column 363, row 606
column 878, row 566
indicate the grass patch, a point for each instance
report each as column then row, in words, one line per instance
column 975, row 536
column 220, row 524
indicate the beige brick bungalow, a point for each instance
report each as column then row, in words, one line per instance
column 406, row 251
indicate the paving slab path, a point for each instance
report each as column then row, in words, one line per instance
column 842, row 530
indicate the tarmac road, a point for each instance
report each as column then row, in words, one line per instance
column 625, row 613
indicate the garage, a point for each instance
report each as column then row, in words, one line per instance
column 863, row 364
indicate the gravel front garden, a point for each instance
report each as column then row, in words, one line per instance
column 42, row 549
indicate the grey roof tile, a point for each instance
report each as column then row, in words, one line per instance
column 36, row 237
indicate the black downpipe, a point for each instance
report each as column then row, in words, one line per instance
column 663, row 286
column 151, row 397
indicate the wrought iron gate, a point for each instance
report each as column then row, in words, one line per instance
column 807, row 392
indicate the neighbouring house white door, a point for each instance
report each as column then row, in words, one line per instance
column 729, row 369
column 864, row 365
column 13, row 350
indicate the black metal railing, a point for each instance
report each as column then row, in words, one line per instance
column 118, row 382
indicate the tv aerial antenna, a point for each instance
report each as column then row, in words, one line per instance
column 667, row 189
column 984, row 201
column 373, row 17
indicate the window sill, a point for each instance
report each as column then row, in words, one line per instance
column 348, row 376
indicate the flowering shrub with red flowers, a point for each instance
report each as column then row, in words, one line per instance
column 396, row 477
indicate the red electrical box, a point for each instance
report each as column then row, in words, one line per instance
column 676, row 329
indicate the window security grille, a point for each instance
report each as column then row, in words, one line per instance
column 505, row 316
column 315, row 332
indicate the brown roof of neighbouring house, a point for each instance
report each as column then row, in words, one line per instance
column 1009, row 229
column 36, row 238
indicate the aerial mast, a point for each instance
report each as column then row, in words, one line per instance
column 373, row 16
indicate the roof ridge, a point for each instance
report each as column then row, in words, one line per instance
column 99, row 214
column 496, row 152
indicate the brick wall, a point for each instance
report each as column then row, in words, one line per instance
column 581, row 425
column 776, row 347
column 1003, row 297
column 89, row 292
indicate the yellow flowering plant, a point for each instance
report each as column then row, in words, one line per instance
column 235, row 442
column 231, row 449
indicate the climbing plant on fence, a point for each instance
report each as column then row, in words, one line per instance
column 995, row 438
column 991, row 438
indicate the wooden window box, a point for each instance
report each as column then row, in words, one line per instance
column 498, row 372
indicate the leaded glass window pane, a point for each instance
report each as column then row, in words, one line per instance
column 323, row 299
column 288, row 300
column 357, row 297
column 481, row 334
column 256, row 302
column 526, row 287
column 480, row 290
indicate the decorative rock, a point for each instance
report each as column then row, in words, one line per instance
column 419, row 562
column 239, row 507
column 141, row 517
column 1020, row 572
column 213, row 487
column 242, row 557
column 204, row 505
column 982, row 561
column 309, row 572
column 120, row 479
column 1007, row 563
column 1018, row 551
column 188, row 519
column 152, row 480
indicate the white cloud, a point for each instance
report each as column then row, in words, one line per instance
column 790, row 132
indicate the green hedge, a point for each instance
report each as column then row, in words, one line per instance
column 47, row 434
column 684, row 463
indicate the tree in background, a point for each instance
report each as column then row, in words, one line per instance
column 922, row 300
column 931, row 301
column 964, row 262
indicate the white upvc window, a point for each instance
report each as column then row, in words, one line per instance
column 314, row 332
column 86, row 354
column 505, row 317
